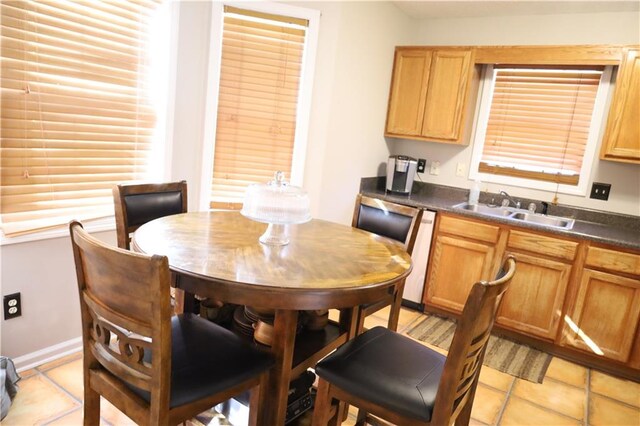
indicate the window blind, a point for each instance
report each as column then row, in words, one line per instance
column 261, row 65
column 76, row 116
column 539, row 123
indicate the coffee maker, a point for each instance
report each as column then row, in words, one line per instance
column 401, row 170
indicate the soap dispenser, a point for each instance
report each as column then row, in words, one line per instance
column 474, row 193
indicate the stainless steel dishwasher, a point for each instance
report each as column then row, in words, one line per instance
column 414, row 285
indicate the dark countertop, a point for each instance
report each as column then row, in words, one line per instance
column 593, row 225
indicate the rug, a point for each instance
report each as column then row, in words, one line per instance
column 513, row 358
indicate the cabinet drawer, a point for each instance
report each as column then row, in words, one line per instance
column 469, row 229
column 612, row 260
column 548, row 246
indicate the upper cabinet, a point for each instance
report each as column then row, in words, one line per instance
column 429, row 93
column 622, row 138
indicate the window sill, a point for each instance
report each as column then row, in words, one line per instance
column 98, row 225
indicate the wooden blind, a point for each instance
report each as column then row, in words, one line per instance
column 258, row 100
column 76, row 118
column 539, row 123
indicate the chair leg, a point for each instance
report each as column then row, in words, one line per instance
column 91, row 407
column 362, row 417
column 394, row 314
column 322, row 406
column 256, row 412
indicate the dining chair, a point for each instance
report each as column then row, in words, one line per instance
column 137, row 204
column 155, row 368
column 393, row 221
column 404, row 382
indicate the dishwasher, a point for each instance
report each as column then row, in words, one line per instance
column 414, row 284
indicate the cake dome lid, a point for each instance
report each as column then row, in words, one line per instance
column 276, row 202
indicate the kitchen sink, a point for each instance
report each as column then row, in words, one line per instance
column 484, row 209
column 558, row 222
column 517, row 215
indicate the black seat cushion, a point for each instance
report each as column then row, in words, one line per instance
column 143, row 208
column 207, row 359
column 385, row 223
column 387, row 369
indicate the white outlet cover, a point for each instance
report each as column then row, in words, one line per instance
column 435, row 168
column 460, row 169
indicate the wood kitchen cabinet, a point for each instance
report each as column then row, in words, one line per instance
column 533, row 303
column 621, row 141
column 428, row 93
column 463, row 253
column 603, row 318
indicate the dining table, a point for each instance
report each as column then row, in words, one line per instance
column 326, row 265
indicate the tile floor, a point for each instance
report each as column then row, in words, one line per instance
column 51, row 394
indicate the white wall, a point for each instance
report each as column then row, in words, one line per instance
column 44, row 273
column 601, row 28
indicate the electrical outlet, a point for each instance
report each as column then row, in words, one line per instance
column 12, row 306
column 600, row 191
column 422, row 165
column 435, row 168
column 460, row 169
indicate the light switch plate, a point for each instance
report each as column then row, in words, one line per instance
column 460, row 169
column 435, row 168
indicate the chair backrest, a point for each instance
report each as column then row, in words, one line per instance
column 137, row 204
column 388, row 219
column 125, row 308
column 464, row 360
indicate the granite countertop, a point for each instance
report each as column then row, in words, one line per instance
column 593, row 225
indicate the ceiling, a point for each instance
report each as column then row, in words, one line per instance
column 462, row 9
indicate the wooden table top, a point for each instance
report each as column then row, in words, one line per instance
column 223, row 246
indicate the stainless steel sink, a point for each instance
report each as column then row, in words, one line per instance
column 484, row 209
column 557, row 222
column 518, row 215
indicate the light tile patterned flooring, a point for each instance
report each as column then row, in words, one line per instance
column 51, row 394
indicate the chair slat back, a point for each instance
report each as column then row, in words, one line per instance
column 464, row 360
column 388, row 219
column 137, row 204
column 125, row 306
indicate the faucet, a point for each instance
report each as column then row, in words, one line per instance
column 511, row 200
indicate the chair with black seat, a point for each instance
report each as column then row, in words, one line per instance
column 402, row 381
column 155, row 368
column 393, row 221
column 137, row 204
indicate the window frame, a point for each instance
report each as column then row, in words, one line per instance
column 596, row 128
column 213, row 82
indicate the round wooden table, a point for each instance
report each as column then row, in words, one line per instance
column 326, row 265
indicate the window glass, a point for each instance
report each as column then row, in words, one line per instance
column 77, row 109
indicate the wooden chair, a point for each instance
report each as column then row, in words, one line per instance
column 402, row 381
column 137, row 204
column 155, row 368
column 394, row 221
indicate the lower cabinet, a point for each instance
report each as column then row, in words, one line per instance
column 533, row 302
column 575, row 294
column 462, row 253
column 605, row 315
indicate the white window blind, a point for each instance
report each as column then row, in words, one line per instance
column 539, row 123
column 76, row 114
column 261, row 66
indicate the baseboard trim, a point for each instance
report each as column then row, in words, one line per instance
column 48, row 354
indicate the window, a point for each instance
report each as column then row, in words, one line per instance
column 78, row 112
column 538, row 126
column 262, row 101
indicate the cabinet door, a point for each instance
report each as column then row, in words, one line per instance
column 622, row 138
column 456, row 264
column 605, row 316
column 408, row 92
column 446, row 95
column 533, row 301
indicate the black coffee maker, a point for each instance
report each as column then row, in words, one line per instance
column 401, row 170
